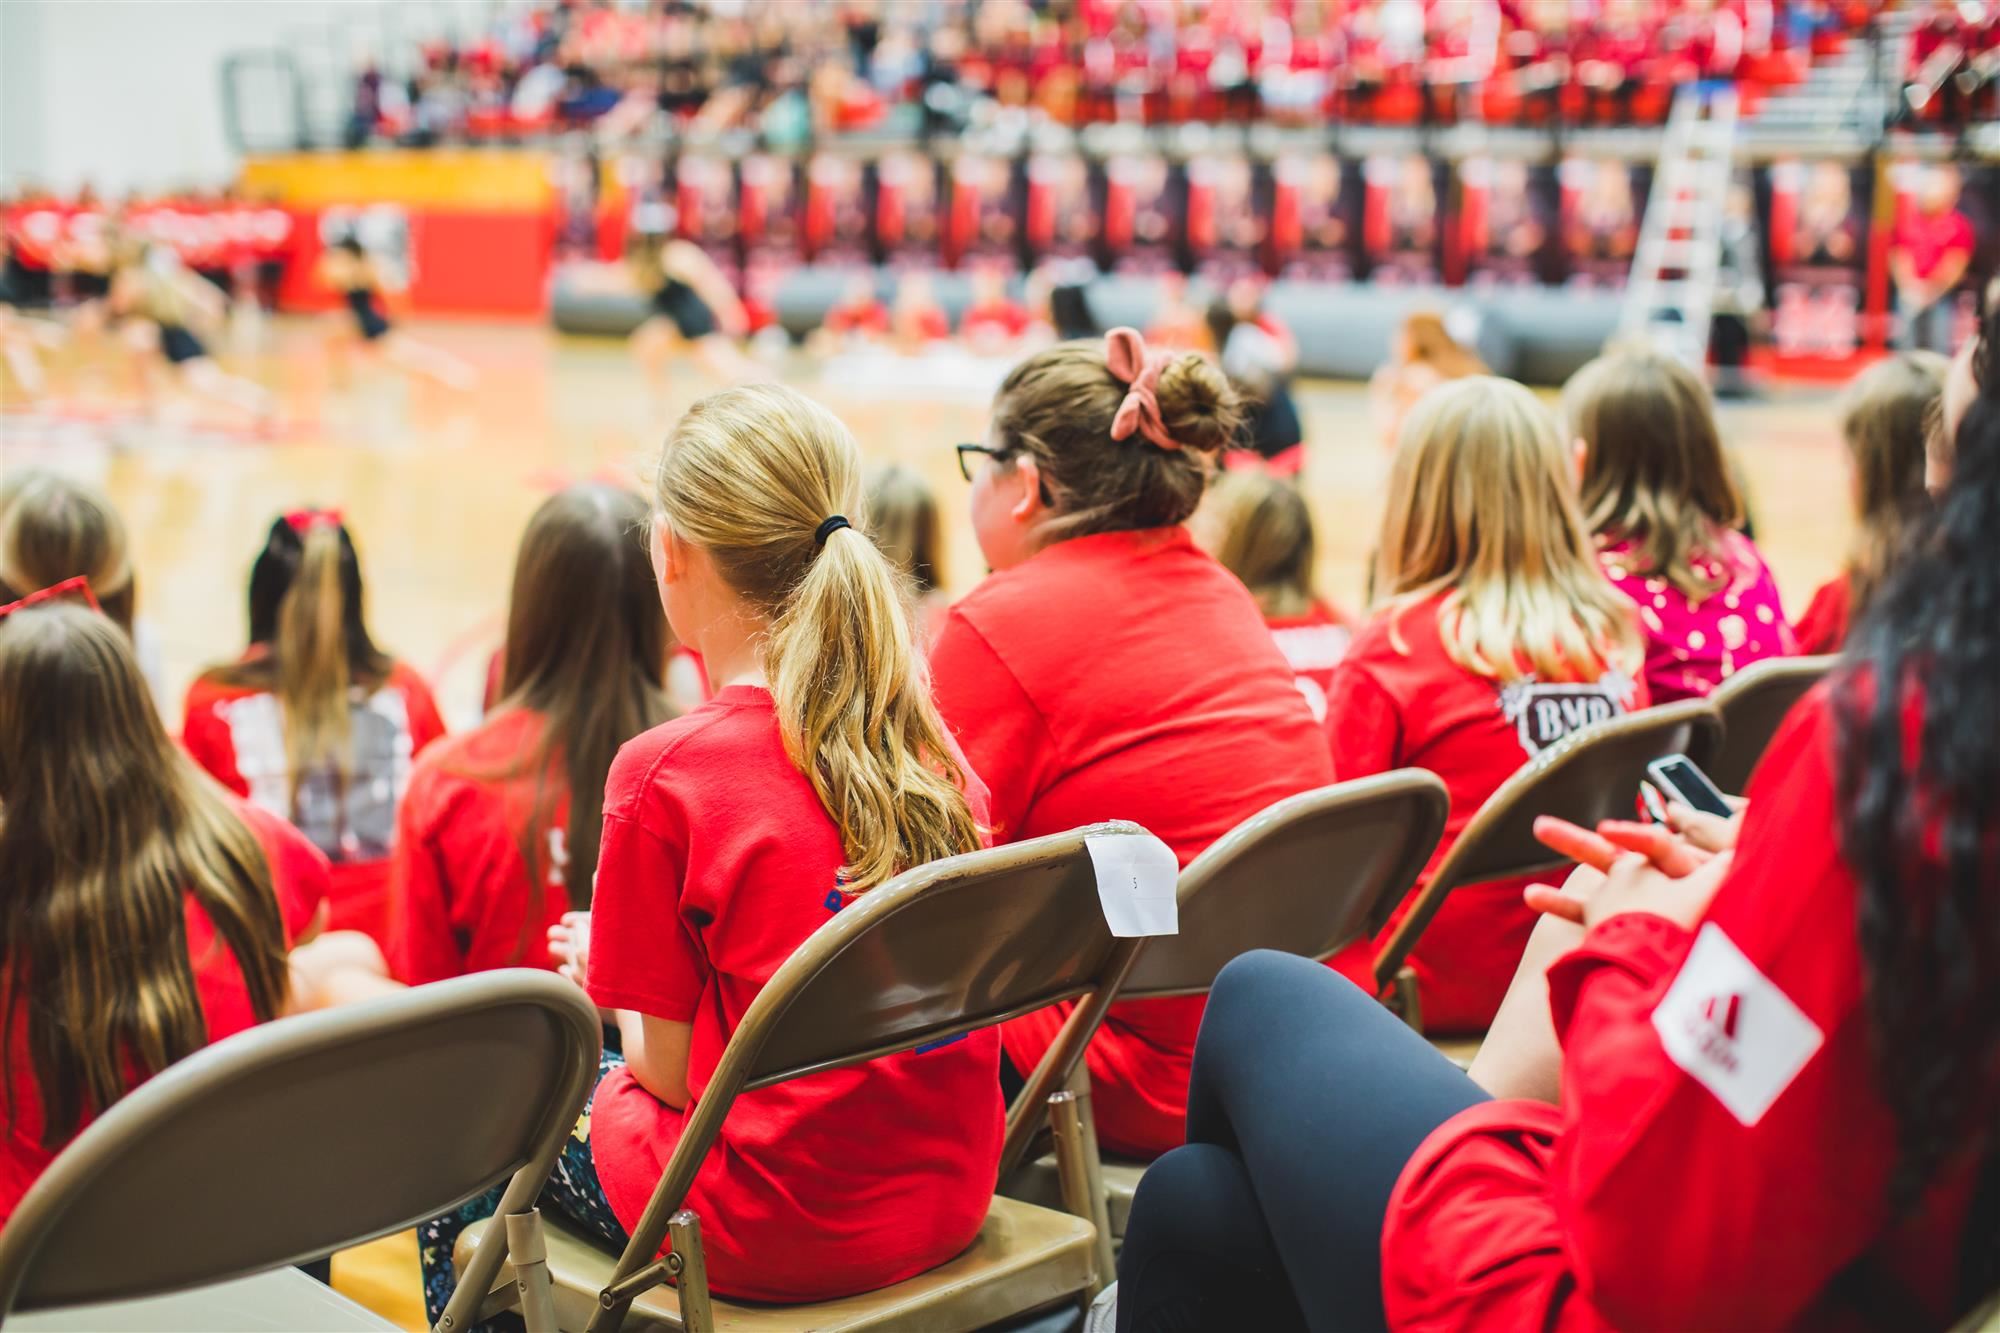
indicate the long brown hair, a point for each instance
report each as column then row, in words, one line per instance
column 1057, row 407
column 1261, row 531
column 1480, row 510
column 587, row 649
column 1654, row 474
column 1884, row 419
column 749, row 475
column 312, row 639
column 54, row 527
column 106, row 830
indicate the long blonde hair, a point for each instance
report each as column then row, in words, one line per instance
column 107, row 829
column 1654, row 473
column 749, row 475
column 1480, row 510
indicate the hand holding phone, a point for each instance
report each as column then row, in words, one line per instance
column 1680, row 779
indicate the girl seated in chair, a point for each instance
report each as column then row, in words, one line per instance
column 314, row 723
column 722, row 852
column 1495, row 637
column 498, row 834
column 149, row 913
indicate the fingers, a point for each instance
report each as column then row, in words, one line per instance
column 1553, row 902
column 1656, row 844
column 1710, row 833
column 1577, row 843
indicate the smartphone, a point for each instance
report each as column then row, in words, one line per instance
column 1680, row 779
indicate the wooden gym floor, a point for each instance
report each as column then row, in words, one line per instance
column 436, row 486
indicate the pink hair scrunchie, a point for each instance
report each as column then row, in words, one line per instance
column 1126, row 357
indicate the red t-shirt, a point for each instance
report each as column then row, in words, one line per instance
column 238, row 736
column 1929, row 237
column 1413, row 707
column 299, row 876
column 1823, row 628
column 718, row 861
column 1721, row 1153
column 1693, row 645
column 460, row 899
column 1313, row 645
column 1125, row 675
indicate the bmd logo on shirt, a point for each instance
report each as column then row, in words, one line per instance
column 1544, row 714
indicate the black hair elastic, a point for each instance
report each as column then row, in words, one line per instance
column 828, row 527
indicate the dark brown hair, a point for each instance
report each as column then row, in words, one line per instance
column 107, row 830
column 587, row 649
column 1056, row 407
column 1654, row 474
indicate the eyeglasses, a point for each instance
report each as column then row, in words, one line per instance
column 75, row 589
column 965, row 452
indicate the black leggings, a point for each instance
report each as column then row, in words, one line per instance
column 1307, row 1100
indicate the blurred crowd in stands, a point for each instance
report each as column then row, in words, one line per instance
column 793, row 72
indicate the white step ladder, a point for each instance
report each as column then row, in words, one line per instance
column 1671, row 291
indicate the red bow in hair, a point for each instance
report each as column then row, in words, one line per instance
column 303, row 521
column 76, row 589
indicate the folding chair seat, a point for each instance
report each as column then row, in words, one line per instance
column 957, row 945
column 1752, row 703
column 297, row 1138
column 1309, row 875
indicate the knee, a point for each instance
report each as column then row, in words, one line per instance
column 1177, row 1203
column 1250, row 985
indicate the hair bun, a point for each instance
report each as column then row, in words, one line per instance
column 1197, row 404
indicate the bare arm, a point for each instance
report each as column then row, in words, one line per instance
column 656, row 1051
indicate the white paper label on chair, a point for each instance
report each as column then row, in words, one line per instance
column 1137, row 882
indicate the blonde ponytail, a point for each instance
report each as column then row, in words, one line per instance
column 750, row 475
column 311, row 652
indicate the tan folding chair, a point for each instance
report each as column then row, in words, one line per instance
column 1751, row 704
column 1590, row 775
column 1308, row 875
column 960, row 944
column 303, row 1136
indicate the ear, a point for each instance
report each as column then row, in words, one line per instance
column 669, row 552
column 1027, row 506
column 1579, row 457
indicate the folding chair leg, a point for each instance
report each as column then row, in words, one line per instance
column 1402, row 999
column 1082, row 1185
column 697, row 1314
column 528, row 1255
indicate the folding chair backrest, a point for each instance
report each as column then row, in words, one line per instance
column 1309, row 875
column 1752, row 703
column 959, row 944
column 1590, row 775
column 299, row 1137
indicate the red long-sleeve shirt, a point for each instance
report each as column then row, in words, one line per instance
column 1721, row 1153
